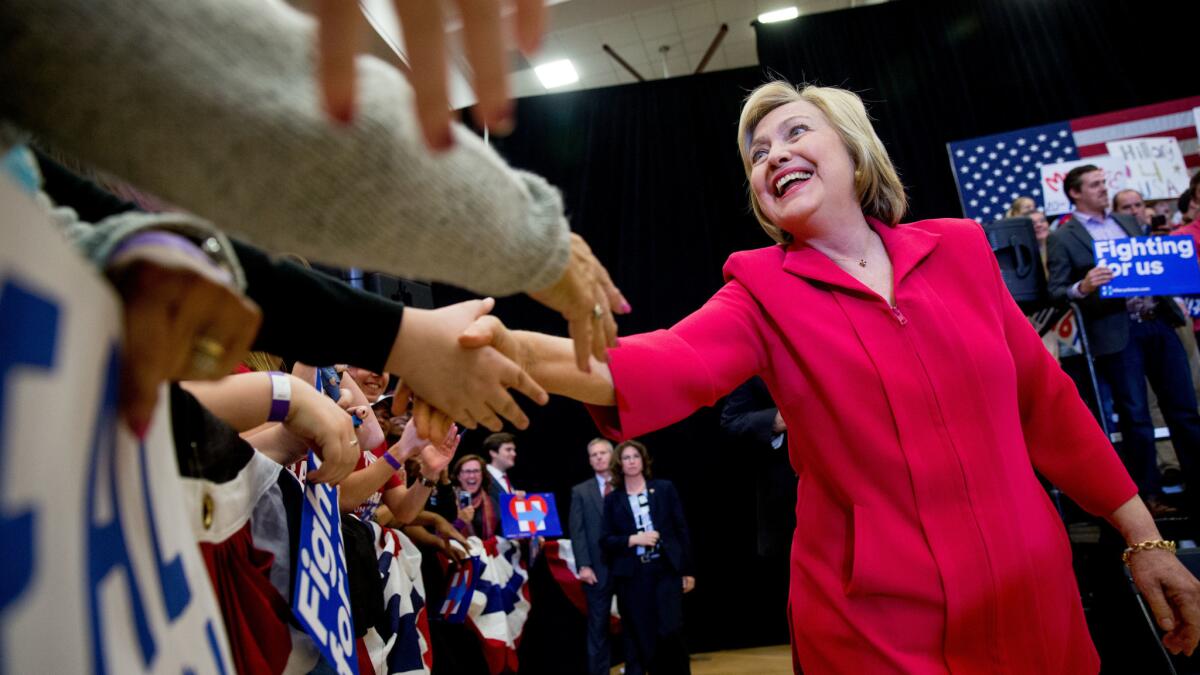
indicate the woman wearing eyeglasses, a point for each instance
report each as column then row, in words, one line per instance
column 645, row 537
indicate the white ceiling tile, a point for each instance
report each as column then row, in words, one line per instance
column 738, row 54
column 697, row 40
column 604, row 80
column 525, row 83
column 771, row 5
column 623, row 77
column 730, row 8
column 695, row 15
column 677, row 67
column 619, row 31
column 580, row 38
column 740, row 30
column 588, row 65
column 633, row 52
column 655, row 23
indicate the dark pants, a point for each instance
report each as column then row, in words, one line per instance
column 1154, row 353
column 599, row 616
column 651, row 605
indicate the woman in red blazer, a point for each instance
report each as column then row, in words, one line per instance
column 924, row 542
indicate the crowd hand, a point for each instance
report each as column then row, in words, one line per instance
column 586, row 298
column 410, row 443
column 780, row 426
column 323, row 425
column 689, row 583
column 422, row 25
column 436, row 456
column 1095, row 278
column 469, row 384
column 427, row 417
column 647, row 538
column 1173, row 595
column 466, row 513
column 181, row 323
column 456, row 550
column 587, row 575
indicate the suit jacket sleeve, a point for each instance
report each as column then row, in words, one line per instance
column 1064, row 441
column 583, row 556
column 664, row 376
column 744, row 414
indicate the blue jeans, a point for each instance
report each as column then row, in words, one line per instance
column 1154, row 353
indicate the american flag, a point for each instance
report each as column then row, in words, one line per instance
column 991, row 171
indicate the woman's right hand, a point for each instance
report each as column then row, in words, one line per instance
column 586, row 297
column 649, row 538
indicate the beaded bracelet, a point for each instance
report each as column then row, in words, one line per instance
column 1163, row 544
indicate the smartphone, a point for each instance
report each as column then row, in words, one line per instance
column 1158, row 224
column 464, row 499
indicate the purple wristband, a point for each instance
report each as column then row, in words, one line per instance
column 395, row 463
column 281, row 397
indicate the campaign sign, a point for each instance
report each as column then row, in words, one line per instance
column 1054, row 192
column 461, row 590
column 99, row 568
column 533, row 515
column 321, row 599
column 1149, row 266
column 1193, row 307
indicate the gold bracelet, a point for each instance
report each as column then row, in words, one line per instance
column 1147, row 546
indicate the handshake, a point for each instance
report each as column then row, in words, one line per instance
column 459, row 362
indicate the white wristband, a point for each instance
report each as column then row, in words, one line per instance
column 281, row 397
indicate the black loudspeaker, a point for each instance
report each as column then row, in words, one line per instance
column 1016, row 249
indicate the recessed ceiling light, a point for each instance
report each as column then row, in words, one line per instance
column 785, row 14
column 557, row 73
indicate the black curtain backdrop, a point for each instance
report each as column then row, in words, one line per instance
column 934, row 71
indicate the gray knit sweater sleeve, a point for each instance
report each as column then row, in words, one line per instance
column 211, row 104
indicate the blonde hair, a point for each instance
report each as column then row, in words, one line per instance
column 1014, row 209
column 876, row 183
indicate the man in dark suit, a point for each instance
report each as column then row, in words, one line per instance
column 1131, row 339
column 587, row 525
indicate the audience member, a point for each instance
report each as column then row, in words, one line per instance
column 501, row 450
column 373, row 384
column 477, row 515
column 646, row 539
column 1188, row 206
column 1129, row 202
column 750, row 414
column 1021, row 206
column 1131, row 339
column 587, row 529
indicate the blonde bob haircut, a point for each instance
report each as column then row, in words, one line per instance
column 879, row 190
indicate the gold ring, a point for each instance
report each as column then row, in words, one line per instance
column 597, row 311
column 209, row 347
column 206, row 355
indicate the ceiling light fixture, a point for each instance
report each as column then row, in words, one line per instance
column 785, row 14
column 556, row 73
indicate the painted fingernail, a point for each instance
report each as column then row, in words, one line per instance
column 139, row 429
column 625, row 308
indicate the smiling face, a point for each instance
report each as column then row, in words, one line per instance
column 505, row 456
column 799, row 166
column 372, row 384
column 470, row 476
column 1041, row 226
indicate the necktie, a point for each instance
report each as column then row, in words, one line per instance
column 607, row 487
column 507, row 484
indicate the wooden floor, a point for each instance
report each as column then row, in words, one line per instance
column 756, row 661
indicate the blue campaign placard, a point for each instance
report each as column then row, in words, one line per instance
column 321, row 599
column 533, row 515
column 1149, row 266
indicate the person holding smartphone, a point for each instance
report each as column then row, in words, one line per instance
column 477, row 514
